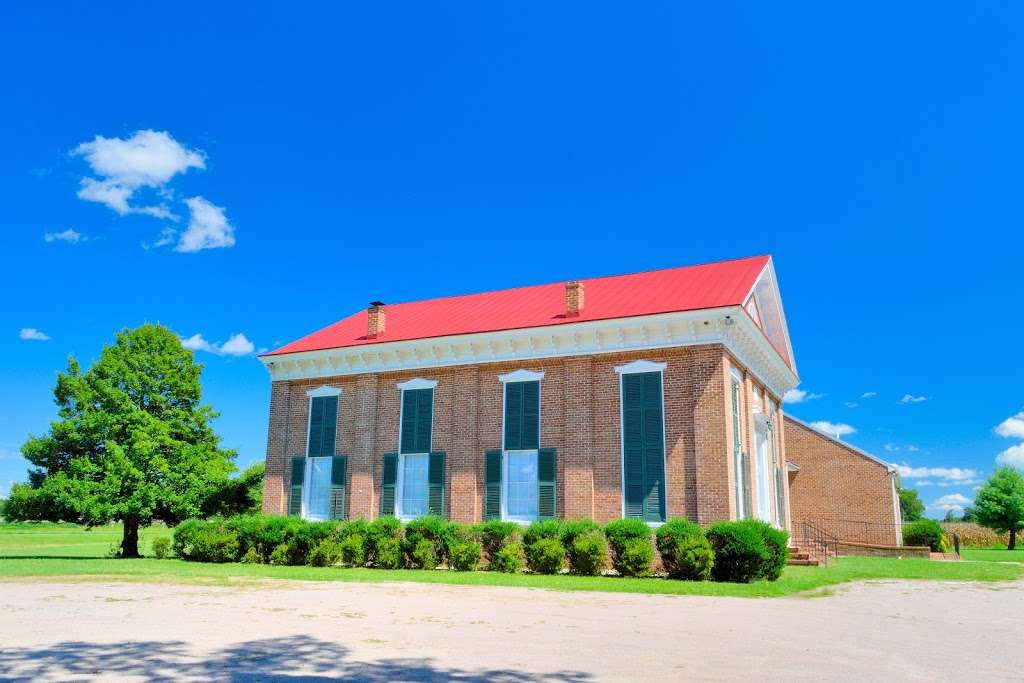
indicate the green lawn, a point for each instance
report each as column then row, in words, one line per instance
column 68, row 551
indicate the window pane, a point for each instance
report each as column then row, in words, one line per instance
column 521, row 489
column 318, row 494
column 414, row 485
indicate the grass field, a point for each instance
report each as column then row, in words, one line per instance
column 71, row 552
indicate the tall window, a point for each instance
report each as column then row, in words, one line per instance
column 318, row 478
column 413, row 478
column 740, row 459
column 643, row 440
column 780, row 490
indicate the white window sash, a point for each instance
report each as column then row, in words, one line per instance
column 400, row 486
column 505, row 516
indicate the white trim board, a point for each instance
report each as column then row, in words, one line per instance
column 521, row 376
column 740, row 336
column 417, row 383
column 323, row 391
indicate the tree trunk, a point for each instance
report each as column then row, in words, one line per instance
column 130, row 540
column 1013, row 540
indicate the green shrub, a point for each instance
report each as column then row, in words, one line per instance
column 161, row 546
column 383, row 542
column 438, row 531
column 280, row 555
column 423, row 555
column 543, row 528
column 496, row 534
column 352, row 551
column 183, row 534
column 387, row 553
column 923, row 532
column 740, row 552
column 625, row 535
column 589, row 553
column 261, row 533
column 213, row 543
column 546, row 556
column 510, row 558
column 685, row 551
column 635, row 558
column 570, row 531
column 465, row 556
column 306, row 536
column 326, row 553
column 776, row 542
column 252, row 556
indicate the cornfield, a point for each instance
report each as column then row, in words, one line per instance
column 974, row 535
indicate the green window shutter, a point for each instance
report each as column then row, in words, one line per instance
column 339, row 472
column 513, row 415
column 417, row 415
column 492, row 480
column 643, row 446
column 323, row 426
column 435, row 484
column 745, row 473
column 295, row 490
column 546, row 501
column 387, row 484
column 780, row 499
column 522, row 416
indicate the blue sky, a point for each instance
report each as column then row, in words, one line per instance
column 290, row 164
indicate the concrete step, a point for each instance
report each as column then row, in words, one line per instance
column 803, row 562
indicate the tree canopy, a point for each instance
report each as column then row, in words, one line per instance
column 911, row 506
column 132, row 443
column 999, row 504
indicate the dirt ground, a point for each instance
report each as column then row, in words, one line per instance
column 419, row 632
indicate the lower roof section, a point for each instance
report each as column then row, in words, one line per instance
column 729, row 326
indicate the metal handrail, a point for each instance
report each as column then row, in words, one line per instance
column 818, row 540
column 859, row 531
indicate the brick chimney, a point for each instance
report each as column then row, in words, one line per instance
column 573, row 298
column 375, row 319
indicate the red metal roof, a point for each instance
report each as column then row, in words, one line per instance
column 725, row 283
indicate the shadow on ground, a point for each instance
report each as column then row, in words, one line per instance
column 295, row 658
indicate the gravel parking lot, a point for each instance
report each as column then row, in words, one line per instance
column 421, row 632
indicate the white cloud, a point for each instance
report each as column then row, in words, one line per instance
column 850, row 404
column 208, row 228
column 869, row 394
column 69, row 235
column 236, row 345
column 166, row 237
column 908, row 398
column 952, row 501
column 912, row 448
column 32, row 334
column 146, row 159
column 799, row 396
column 1014, row 455
column 891, row 447
column 8, row 454
column 924, row 482
column 955, row 475
column 1012, row 427
column 836, row 429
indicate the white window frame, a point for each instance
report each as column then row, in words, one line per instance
column 639, row 366
column 520, row 375
column 736, row 377
column 411, row 385
column 319, row 392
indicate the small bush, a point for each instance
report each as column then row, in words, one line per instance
column 685, row 551
column 352, row 551
column 542, row 529
column 589, row 553
column 214, row 544
column 923, row 532
column 740, row 552
column 776, row 542
column 465, row 556
column 623, row 535
column 262, row 533
column 423, row 555
column 496, row 534
column 573, row 529
column 280, row 555
column 306, row 536
column 438, row 531
column 546, row 556
column 252, row 556
column 387, row 553
column 183, row 535
column 161, row 547
column 326, row 553
column 635, row 558
column 510, row 558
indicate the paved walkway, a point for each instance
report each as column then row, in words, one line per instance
column 420, row 632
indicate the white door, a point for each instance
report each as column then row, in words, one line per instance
column 764, row 473
column 318, row 488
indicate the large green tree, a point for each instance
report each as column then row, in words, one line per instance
column 999, row 504
column 911, row 505
column 132, row 443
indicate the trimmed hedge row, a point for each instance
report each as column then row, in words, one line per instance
column 727, row 551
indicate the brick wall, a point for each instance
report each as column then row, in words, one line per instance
column 839, row 489
column 579, row 417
